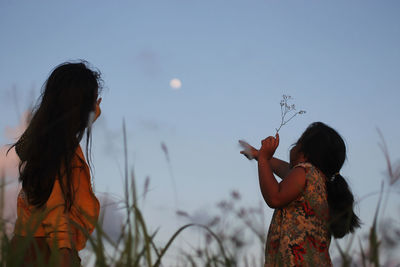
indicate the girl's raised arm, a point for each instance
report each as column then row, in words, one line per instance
column 275, row 194
column 278, row 166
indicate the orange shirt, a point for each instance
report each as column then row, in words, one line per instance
column 63, row 229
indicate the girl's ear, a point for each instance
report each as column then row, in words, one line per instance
column 93, row 115
column 302, row 158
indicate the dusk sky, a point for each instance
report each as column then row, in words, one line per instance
column 339, row 60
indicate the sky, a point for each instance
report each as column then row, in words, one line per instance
column 339, row 60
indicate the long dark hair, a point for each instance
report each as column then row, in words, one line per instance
column 323, row 147
column 58, row 123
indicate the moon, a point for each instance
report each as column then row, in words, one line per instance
column 175, row 84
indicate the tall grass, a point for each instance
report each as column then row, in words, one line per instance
column 233, row 237
column 135, row 245
column 379, row 241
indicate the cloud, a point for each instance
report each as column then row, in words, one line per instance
column 156, row 126
column 9, row 162
column 9, row 193
column 150, row 125
column 10, row 206
column 111, row 216
column 149, row 62
column 199, row 216
column 108, row 138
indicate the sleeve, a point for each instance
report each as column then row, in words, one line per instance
column 56, row 222
column 304, row 165
column 307, row 167
column 65, row 229
column 86, row 207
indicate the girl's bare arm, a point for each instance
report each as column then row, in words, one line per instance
column 275, row 194
column 279, row 167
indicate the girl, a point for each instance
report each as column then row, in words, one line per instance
column 312, row 202
column 56, row 208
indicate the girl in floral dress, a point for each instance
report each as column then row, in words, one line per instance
column 312, row 202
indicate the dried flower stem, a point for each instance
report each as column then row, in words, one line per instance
column 286, row 109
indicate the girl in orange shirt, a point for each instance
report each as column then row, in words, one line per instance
column 56, row 206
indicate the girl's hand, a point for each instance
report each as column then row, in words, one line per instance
column 249, row 151
column 268, row 146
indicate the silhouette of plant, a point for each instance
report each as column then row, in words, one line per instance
column 287, row 110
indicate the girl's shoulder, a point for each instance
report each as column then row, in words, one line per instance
column 310, row 169
column 79, row 154
column 78, row 159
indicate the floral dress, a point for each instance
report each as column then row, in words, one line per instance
column 298, row 234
